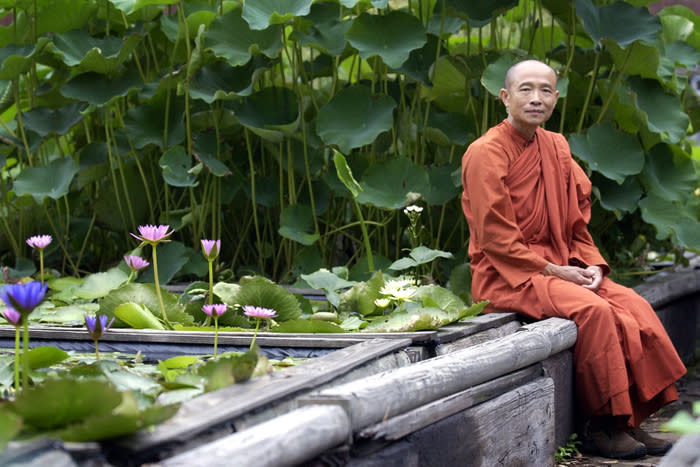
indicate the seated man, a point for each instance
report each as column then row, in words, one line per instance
column 527, row 203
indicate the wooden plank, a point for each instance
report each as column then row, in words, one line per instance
column 264, row 339
column 395, row 392
column 287, row 440
column 668, row 287
column 477, row 338
column 514, row 429
column 405, row 424
column 218, row 407
column 473, row 325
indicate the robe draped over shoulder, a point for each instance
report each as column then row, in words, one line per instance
column 527, row 203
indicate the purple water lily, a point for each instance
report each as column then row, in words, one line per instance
column 39, row 241
column 23, row 297
column 259, row 313
column 153, row 234
column 211, row 249
column 136, row 262
column 12, row 316
column 97, row 326
column 215, row 310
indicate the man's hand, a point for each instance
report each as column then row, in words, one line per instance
column 590, row 278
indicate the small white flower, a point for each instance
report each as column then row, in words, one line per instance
column 382, row 302
column 413, row 208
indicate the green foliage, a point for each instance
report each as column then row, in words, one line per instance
column 569, row 450
column 224, row 120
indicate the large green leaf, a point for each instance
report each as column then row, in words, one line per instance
column 52, row 180
column 51, row 17
column 619, row 198
column 327, row 29
column 330, row 283
column 354, row 118
column 15, row 60
column 259, row 291
column 618, row 21
column 99, row 284
column 60, row 402
column 150, row 123
column 230, row 37
column 102, row 55
column 417, row 256
column 668, row 176
column 297, row 223
column 45, row 356
column 130, row 6
column 176, row 166
column 144, row 295
column 172, row 256
column 45, row 120
column 137, row 317
column 494, row 76
column 393, row 184
column 663, row 110
column 345, row 174
column 261, row 13
column 671, row 220
column 391, row 36
column 480, row 13
column 98, row 89
column 219, row 80
column 10, row 426
column 595, row 148
column 273, row 108
column 441, row 189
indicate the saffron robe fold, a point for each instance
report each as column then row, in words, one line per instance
column 527, row 203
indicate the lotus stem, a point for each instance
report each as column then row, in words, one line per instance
column 255, row 334
column 158, row 293
column 25, row 357
column 17, row 359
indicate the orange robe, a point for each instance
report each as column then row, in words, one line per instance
column 527, row 203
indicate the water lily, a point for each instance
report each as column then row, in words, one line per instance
column 97, row 326
column 153, row 235
column 14, row 317
column 39, row 242
column 135, row 263
column 210, row 250
column 259, row 314
column 214, row 311
column 23, row 299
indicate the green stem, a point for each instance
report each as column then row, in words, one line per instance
column 97, row 350
column 158, row 293
column 25, row 357
column 255, row 334
column 365, row 236
column 596, row 64
column 17, row 332
column 216, row 334
column 41, row 264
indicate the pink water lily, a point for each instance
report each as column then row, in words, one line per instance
column 136, row 262
column 215, row 310
column 211, row 249
column 259, row 312
column 12, row 316
column 153, row 234
column 39, row 241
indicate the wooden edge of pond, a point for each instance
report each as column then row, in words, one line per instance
column 263, row 339
column 668, row 287
column 215, row 408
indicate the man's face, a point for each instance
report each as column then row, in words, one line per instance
column 530, row 96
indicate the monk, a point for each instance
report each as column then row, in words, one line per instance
column 527, row 203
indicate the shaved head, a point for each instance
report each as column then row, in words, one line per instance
column 513, row 70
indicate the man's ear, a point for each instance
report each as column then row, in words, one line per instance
column 503, row 94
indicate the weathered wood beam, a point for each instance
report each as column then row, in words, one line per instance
column 394, row 392
column 286, row 440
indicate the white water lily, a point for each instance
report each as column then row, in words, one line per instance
column 382, row 302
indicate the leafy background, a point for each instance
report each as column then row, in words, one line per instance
column 221, row 118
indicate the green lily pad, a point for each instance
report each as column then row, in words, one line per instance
column 177, row 168
column 59, row 402
column 390, row 36
column 297, row 223
column 308, row 326
column 52, row 180
column 45, row 120
column 10, row 426
column 393, row 184
column 99, row 284
column 354, row 118
column 594, row 148
column 137, row 316
column 618, row 21
column 262, row 13
column 45, row 356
